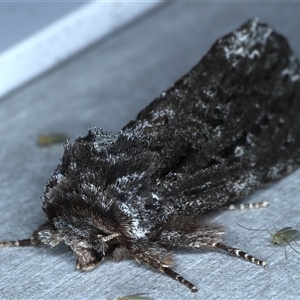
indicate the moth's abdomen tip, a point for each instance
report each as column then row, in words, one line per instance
column 194, row 290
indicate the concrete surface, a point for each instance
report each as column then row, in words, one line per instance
column 48, row 42
column 21, row 19
column 106, row 86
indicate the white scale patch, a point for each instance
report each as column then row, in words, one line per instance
column 274, row 171
column 209, row 93
column 155, row 196
column 136, row 131
column 103, row 139
column 160, row 114
column 58, row 177
column 91, row 187
column 73, row 166
column 136, row 229
column 239, row 151
column 129, row 178
column 292, row 70
column 244, row 42
column 122, row 182
column 244, row 184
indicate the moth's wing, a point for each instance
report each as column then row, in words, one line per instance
column 228, row 126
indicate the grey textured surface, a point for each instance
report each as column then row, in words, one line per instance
column 107, row 86
column 20, row 20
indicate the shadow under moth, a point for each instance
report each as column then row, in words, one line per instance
column 226, row 128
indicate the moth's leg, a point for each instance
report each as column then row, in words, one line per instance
column 158, row 258
column 179, row 278
column 46, row 234
column 191, row 232
column 34, row 240
column 242, row 254
column 246, row 206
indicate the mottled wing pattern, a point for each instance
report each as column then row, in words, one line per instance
column 229, row 126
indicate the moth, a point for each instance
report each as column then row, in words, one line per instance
column 282, row 236
column 226, row 128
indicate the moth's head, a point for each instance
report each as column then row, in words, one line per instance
column 91, row 231
column 86, row 198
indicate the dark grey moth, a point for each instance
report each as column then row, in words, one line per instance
column 226, row 128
